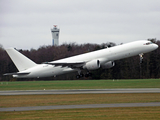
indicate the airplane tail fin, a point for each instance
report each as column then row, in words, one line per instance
column 20, row 61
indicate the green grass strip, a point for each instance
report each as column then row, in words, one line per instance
column 80, row 84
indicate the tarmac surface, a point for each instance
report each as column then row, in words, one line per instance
column 80, row 91
column 80, row 106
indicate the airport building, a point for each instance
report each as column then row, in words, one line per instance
column 55, row 36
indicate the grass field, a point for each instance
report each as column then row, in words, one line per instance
column 76, row 99
column 131, row 113
column 80, row 84
column 140, row 113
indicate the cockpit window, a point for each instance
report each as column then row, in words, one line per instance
column 148, row 43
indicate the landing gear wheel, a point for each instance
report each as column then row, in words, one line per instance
column 78, row 76
column 81, row 75
column 88, row 74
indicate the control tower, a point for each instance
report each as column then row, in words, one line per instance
column 55, row 35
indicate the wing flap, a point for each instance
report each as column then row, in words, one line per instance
column 17, row 73
column 67, row 64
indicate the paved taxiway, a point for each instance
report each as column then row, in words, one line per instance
column 80, row 91
column 80, row 106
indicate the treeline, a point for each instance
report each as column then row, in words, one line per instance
column 129, row 68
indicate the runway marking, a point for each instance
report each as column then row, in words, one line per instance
column 80, row 106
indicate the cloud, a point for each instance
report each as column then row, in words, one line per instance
column 27, row 24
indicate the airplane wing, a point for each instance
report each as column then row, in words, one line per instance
column 17, row 73
column 67, row 64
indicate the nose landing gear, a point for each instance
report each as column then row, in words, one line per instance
column 141, row 57
column 141, row 61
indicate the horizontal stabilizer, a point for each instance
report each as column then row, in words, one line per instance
column 17, row 73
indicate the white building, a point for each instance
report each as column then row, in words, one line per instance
column 55, row 35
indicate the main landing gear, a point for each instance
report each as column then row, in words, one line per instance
column 79, row 76
column 88, row 74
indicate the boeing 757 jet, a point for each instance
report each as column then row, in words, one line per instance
column 89, row 61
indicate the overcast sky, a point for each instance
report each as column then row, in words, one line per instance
column 26, row 24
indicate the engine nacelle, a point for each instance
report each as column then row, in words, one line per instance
column 108, row 65
column 92, row 65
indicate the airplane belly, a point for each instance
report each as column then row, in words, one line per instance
column 62, row 70
column 53, row 71
column 45, row 71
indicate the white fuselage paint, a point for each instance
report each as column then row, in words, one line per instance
column 104, row 55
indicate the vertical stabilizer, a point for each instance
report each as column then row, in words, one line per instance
column 20, row 61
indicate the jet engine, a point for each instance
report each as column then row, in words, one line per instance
column 108, row 65
column 92, row 65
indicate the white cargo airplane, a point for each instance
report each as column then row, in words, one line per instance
column 89, row 61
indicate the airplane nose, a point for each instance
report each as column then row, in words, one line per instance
column 155, row 46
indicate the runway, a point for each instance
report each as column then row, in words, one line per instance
column 80, row 91
column 80, row 106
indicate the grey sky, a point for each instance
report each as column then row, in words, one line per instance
column 26, row 24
